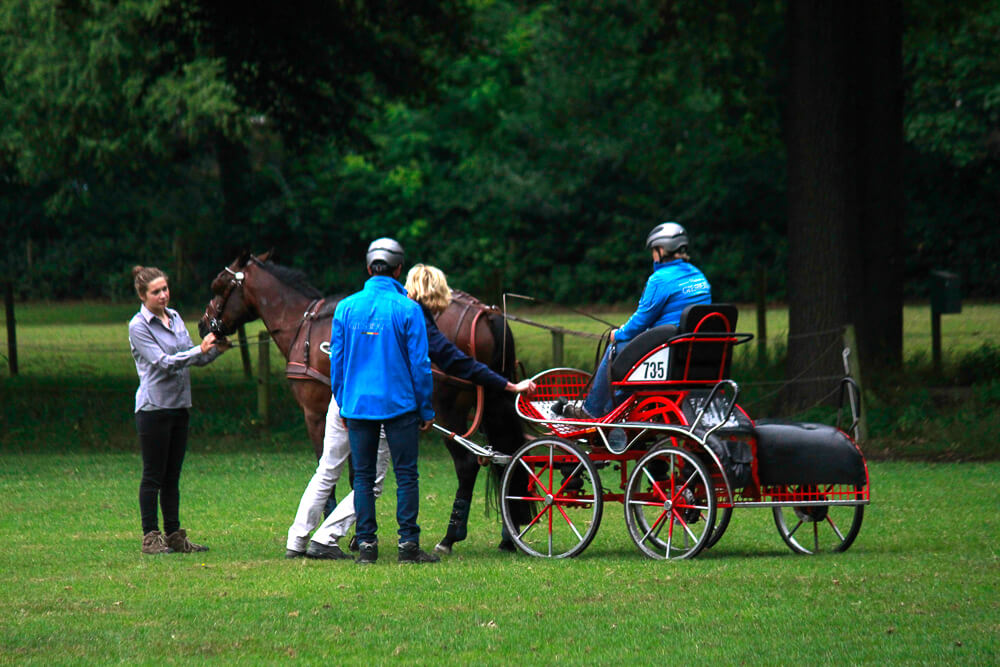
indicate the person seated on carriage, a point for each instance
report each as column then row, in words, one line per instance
column 675, row 284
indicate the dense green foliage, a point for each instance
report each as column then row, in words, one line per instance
column 521, row 146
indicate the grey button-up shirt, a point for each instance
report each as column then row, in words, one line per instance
column 162, row 356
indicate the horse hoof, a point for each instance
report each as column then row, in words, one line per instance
column 442, row 549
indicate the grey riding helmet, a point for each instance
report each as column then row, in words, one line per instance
column 668, row 235
column 385, row 250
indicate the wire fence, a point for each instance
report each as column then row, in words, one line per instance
column 85, row 356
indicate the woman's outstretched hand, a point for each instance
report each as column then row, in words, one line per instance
column 521, row 387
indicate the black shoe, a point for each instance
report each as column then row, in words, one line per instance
column 410, row 552
column 321, row 551
column 292, row 553
column 368, row 553
column 353, row 544
column 559, row 405
column 575, row 410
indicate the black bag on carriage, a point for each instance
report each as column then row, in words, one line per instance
column 805, row 453
column 730, row 443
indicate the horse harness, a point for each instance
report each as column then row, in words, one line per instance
column 319, row 309
column 214, row 323
column 469, row 302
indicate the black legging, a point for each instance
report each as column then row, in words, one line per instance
column 163, row 439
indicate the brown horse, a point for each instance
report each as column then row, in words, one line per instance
column 298, row 319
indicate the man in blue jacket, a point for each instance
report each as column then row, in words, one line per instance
column 381, row 378
column 674, row 285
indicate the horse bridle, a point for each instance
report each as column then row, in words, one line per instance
column 215, row 322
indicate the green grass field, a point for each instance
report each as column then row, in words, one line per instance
column 919, row 586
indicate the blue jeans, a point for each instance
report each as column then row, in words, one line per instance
column 600, row 400
column 403, row 434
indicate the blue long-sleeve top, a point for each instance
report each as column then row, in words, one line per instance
column 379, row 365
column 453, row 361
column 672, row 287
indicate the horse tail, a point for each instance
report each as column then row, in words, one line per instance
column 501, row 423
column 505, row 433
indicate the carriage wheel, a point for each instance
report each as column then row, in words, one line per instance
column 722, row 517
column 642, row 517
column 555, row 484
column 670, row 504
column 813, row 529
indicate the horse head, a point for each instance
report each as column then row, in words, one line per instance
column 229, row 308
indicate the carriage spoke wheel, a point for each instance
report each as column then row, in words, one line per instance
column 554, row 488
column 813, row 529
column 722, row 517
column 670, row 504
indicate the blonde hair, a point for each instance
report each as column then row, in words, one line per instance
column 142, row 276
column 428, row 286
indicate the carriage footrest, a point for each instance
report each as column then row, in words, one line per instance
column 804, row 453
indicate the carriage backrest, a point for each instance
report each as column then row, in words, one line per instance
column 705, row 359
column 667, row 355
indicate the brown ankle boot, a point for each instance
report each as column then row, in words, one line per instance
column 153, row 543
column 179, row 542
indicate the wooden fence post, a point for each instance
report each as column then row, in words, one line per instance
column 761, row 315
column 936, row 341
column 241, row 336
column 557, row 348
column 8, row 300
column 264, row 379
column 853, row 368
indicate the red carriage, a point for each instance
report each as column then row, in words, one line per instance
column 679, row 453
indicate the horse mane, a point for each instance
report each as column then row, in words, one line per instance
column 292, row 277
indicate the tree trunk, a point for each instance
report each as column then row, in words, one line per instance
column 844, row 142
column 822, row 198
column 878, row 310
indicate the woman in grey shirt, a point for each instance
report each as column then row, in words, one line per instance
column 163, row 351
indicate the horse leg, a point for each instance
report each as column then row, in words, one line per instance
column 466, row 469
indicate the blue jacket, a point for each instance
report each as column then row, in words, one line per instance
column 453, row 361
column 379, row 368
column 672, row 287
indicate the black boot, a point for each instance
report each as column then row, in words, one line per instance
column 458, row 524
column 506, row 541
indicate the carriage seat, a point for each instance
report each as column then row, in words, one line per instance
column 639, row 347
column 690, row 360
